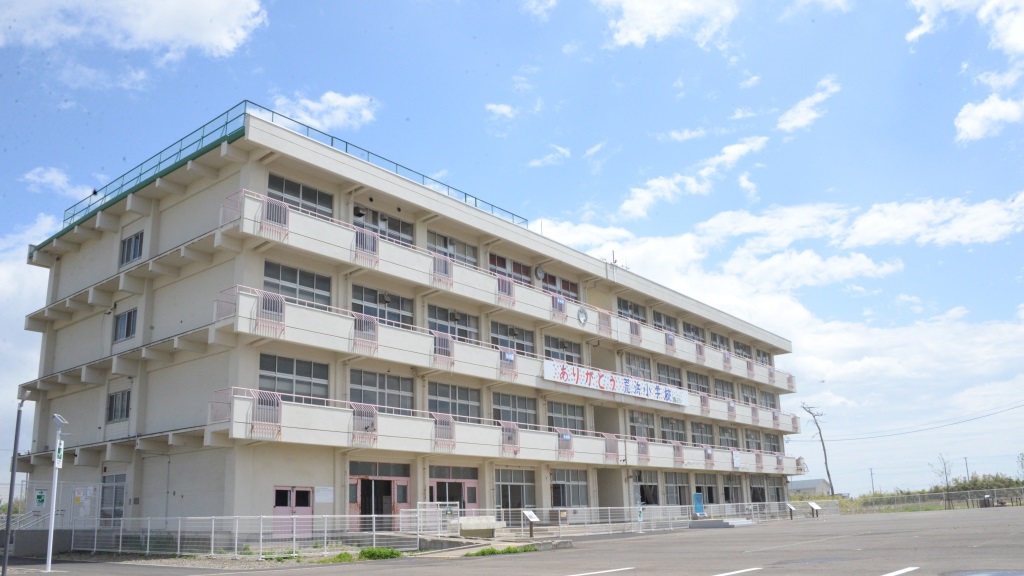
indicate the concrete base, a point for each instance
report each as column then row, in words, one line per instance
column 33, row 542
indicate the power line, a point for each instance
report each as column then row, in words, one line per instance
column 935, row 427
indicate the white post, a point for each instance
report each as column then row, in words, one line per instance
column 58, row 461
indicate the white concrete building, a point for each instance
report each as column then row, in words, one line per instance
column 264, row 320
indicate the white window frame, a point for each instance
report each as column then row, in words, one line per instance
column 557, row 348
column 391, row 394
column 461, row 326
column 674, row 429
column 301, row 196
column 460, row 402
column 574, row 491
column 125, row 325
column 453, row 248
column 702, row 433
column 389, row 308
column 513, row 408
column 637, row 366
column 297, row 285
column 388, row 227
column 308, row 381
column 565, row 415
column 671, row 375
column 511, row 336
column 665, row 322
column 632, row 310
column 725, row 389
column 510, row 268
column 694, row 332
column 119, row 406
column 698, row 382
column 641, row 424
column 131, row 248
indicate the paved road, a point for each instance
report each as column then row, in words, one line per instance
column 977, row 542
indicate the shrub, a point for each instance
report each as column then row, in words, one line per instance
column 510, row 550
column 378, row 553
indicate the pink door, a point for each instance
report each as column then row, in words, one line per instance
column 293, row 510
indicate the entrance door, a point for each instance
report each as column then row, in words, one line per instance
column 293, row 507
column 375, row 499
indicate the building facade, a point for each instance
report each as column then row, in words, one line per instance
column 264, row 320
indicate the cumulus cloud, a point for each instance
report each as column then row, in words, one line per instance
column 641, row 198
column 1003, row 18
column 501, row 111
column 806, row 111
column 750, row 82
column 54, row 180
column 214, row 27
column 558, row 156
column 749, row 187
column 976, row 121
column 331, row 111
column 638, row 21
column 538, row 8
column 683, row 135
column 912, row 302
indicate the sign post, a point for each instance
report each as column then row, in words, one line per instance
column 58, row 461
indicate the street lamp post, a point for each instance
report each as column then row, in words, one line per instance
column 10, row 495
column 58, row 461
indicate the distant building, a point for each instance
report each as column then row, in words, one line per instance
column 267, row 320
column 814, row 487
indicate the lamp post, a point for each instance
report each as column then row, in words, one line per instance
column 58, row 462
column 23, row 395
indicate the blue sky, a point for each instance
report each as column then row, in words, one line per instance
column 847, row 174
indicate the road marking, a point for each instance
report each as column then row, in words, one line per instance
column 738, row 572
column 904, row 571
column 603, row 571
column 805, row 542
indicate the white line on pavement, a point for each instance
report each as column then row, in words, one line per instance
column 738, row 572
column 603, row 571
column 904, row 571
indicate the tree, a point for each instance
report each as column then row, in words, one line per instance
column 814, row 415
column 943, row 470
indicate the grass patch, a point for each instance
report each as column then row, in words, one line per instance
column 378, row 553
column 341, row 557
column 510, row 550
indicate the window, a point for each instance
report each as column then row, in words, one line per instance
column 647, row 483
column 557, row 348
column 775, row 490
column 301, row 196
column 561, row 286
column 753, row 439
column 638, row 366
column 454, row 473
column 461, row 326
column 742, row 350
column 641, row 424
column 748, row 394
column 513, row 337
column 288, row 376
column 112, row 496
column 677, row 488
column 386, row 226
column 728, row 437
column 118, row 406
column 707, row 485
column 508, row 267
column 385, row 469
column 673, row 429
column 670, row 375
column 772, row 443
column 693, row 332
column 665, row 322
column 702, row 433
column 720, row 342
column 515, row 489
column 296, row 284
column 562, row 415
column 628, row 309
column 390, row 308
column 391, row 394
column 697, row 382
column 461, row 402
column 124, row 325
column 764, row 357
column 569, row 488
column 724, row 389
column 512, row 408
column 768, row 400
column 455, row 249
column 732, row 489
column 131, row 248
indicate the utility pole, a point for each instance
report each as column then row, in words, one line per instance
column 968, row 479
column 814, row 415
column 872, row 480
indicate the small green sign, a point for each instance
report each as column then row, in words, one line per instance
column 40, row 497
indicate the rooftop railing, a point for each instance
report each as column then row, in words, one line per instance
column 228, row 127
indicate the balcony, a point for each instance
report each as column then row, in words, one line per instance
column 250, row 213
column 257, row 314
column 247, row 414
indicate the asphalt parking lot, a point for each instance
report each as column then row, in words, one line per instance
column 977, row 542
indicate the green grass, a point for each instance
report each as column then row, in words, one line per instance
column 341, row 557
column 378, row 553
column 510, row 550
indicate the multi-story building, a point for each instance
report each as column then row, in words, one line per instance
column 263, row 319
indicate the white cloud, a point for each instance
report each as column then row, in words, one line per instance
column 742, row 113
column 331, row 111
column 750, row 82
column 669, row 187
column 939, row 222
column 1003, row 18
column 593, row 150
column 683, row 135
column 501, row 111
column 571, row 48
column 791, row 269
column 521, row 84
column 641, row 20
column 1002, row 80
column 559, row 155
column 806, row 111
column 912, row 302
column 50, row 179
column 581, row 236
column 840, row 5
column 214, row 27
column 976, row 121
column 538, row 8
column 749, row 187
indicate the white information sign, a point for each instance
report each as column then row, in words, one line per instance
column 530, row 516
column 565, row 373
column 323, row 494
column 58, row 460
